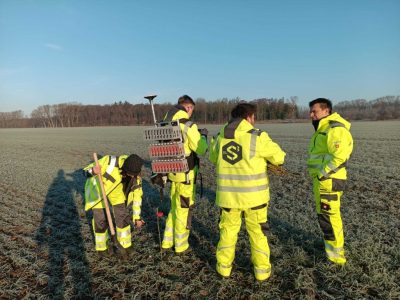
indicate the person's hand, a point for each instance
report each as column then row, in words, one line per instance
column 96, row 170
column 139, row 223
column 157, row 179
column 277, row 170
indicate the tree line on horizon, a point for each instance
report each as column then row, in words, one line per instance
column 212, row 112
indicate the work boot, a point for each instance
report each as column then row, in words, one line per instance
column 131, row 252
column 106, row 253
column 167, row 251
column 263, row 280
column 188, row 251
column 123, row 253
column 222, row 277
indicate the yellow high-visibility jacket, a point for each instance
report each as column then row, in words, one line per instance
column 240, row 153
column 135, row 197
column 330, row 148
column 110, row 170
column 193, row 142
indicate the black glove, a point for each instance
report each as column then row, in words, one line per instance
column 157, row 179
column 203, row 131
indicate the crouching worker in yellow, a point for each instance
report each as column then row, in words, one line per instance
column 240, row 153
column 122, row 184
column 329, row 150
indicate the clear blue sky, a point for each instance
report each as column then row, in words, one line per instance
column 98, row 52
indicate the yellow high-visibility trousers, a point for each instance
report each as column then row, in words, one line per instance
column 328, row 210
column 256, row 226
column 177, row 227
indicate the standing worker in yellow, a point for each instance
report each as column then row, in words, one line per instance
column 241, row 153
column 329, row 150
column 123, row 186
column 177, row 227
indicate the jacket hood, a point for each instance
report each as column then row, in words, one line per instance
column 176, row 112
column 334, row 117
column 181, row 114
column 180, row 107
column 236, row 128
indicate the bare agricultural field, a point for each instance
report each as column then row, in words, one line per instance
column 46, row 244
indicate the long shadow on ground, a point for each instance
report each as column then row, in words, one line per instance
column 204, row 237
column 60, row 231
column 286, row 233
column 78, row 185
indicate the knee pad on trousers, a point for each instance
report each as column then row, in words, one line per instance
column 121, row 214
column 262, row 215
column 265, row 228
column 326, row 227
column 185, row 201
column 100, row 222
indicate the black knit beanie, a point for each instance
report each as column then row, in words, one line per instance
column 132, row 165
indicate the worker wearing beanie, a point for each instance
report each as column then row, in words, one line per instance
column 122, row 184
column 132, row 166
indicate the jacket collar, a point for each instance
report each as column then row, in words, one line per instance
column 235, row 125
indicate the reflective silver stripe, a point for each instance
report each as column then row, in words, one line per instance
column 253, row 143
column 323, row 172
column 168, row 239
column 92, row 189
column 136, row 203
column 334, row 254
column 329, row 247
column 123, row 234
column 224, row 247
column 316, row 156
column 332, row 167
column 186, row 128
column 262, row 271
column 242, row 189
column 262, row 252
column 136, row 212
column 333, row 124
column 183, row 243
column 225, row 266
column 87, row 193
column 125, row 243
column 169, row 229
column 100, row 238
column 111, row 165
column 241, row 177
column 182, row 235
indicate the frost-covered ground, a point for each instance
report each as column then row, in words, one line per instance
column 46, row 245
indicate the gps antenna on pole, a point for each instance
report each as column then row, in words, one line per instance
column 151, row 98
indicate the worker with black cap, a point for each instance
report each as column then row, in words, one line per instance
column 123, row 186
column 133, row 186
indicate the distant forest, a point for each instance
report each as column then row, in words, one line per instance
column 218, row 111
